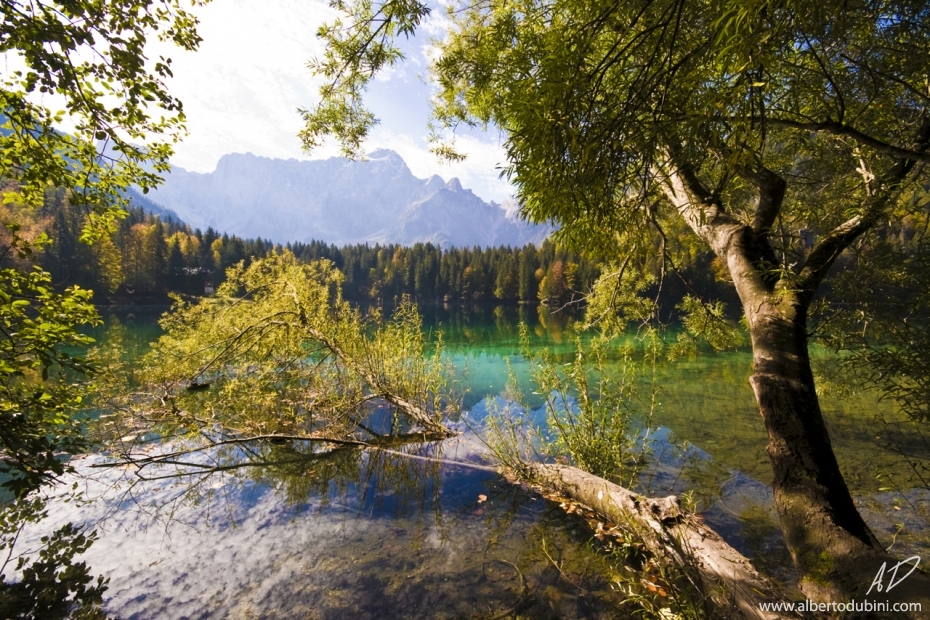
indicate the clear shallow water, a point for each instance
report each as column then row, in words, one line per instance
column 711, row 439
column 362, row 534
column 379, row 535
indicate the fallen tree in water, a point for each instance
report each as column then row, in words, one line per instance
column 276, row 355
column 725, row 578
column 589, row 407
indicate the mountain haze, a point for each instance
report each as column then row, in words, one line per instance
column 338, row 201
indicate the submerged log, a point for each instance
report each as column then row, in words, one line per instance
column 734, row 587
column 680, row 538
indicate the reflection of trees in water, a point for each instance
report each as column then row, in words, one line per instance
column 422, row 544
column 132, row 328
column 552, row 322
column 298, row 472
column 494, row 326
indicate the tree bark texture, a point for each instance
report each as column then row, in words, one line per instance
column 728, row 580
column 835, row 552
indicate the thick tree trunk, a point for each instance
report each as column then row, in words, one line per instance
column 834, row 550
column 836, row 554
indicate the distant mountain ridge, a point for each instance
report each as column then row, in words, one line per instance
column 338, row 201
column 138, row 199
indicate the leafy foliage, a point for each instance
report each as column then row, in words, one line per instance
column 589, row 417
column 38, row 389
column 42, row 386
column 279, row 353
column 92, row 55
column 52, row 585
column 804, row 124
column 592, row 95
column 357, row 49
column 600, row 101
column 617, row 299
column 590, row 405
column 881, row 330
column 704, row 322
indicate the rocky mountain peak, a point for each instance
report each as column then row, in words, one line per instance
column 434, row 184
column 338, row 201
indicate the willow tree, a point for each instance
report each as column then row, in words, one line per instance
column 777, row 133
column 277, row 355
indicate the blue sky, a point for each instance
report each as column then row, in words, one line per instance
column 241, row 92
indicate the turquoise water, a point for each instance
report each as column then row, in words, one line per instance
column 710, row 437
column 372, row 534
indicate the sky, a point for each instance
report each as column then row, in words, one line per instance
column 242, row 88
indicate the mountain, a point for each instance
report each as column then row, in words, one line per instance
column 338, row 201
column 138, row 199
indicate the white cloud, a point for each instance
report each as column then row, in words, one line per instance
column 437, row 23
column 242, row 88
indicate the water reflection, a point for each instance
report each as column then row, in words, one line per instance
column 380, row 534
column 366, row 533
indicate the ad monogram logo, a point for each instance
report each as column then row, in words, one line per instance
column 892, row 581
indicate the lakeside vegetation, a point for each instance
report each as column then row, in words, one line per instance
column 780, row 149
column 785, row 136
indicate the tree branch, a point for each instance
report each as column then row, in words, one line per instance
column 746, row 256
column 841, row 129
column 771, row 195
column 701, row 210
column 412, row 409
column 169, row 458
column 886, row 189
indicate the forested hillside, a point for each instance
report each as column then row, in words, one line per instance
column 146, row 257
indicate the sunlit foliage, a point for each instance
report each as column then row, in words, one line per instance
column 38, row 390
column 92, row 56
column 277, row 353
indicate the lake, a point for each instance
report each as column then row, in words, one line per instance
column 433, row 531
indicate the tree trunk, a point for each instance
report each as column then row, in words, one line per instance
column 731, row 586
column 836, row 553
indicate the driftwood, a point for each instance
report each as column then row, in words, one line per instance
column 672, row 535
